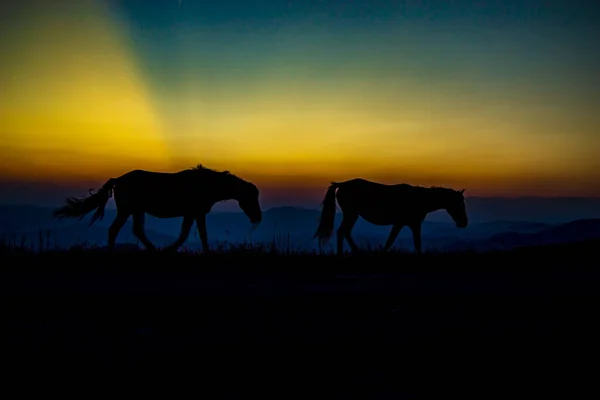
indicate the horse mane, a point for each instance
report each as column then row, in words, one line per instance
column 444, row 191
column 203, row 171
column 209, row 171
column 441, row 188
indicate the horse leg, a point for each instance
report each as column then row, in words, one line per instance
column 138, row 230
column 343, row 232
column 115, row 227
column 183, row 235
column 201, row 225
column 416, row 230
column 392, row 238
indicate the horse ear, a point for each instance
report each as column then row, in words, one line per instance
column 461, row 191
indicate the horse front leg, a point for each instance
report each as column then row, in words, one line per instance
column 201, row 225
column 416, row 230
column 392, row 238
column 183, row 235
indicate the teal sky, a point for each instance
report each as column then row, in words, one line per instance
column 497, row 96
column 236, row 41
column 505, row 55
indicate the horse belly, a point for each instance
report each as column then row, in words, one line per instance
column 163, row 207
column 164, row 213
column 385, row 216
column 377, row 218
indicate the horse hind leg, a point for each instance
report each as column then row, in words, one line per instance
column 138, row 230
column 115, row 227
column 344, row 232
column 185, row 231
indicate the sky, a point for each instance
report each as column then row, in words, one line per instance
column 499, row 97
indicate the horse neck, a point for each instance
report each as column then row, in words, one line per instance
column 228, row 188
column 433, row 200
column 218, row 188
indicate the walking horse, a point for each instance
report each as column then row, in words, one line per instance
column 396, row 205
column 189, row 194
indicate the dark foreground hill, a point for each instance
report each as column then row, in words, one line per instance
column 250, row 322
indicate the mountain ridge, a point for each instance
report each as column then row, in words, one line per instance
column 292, row 226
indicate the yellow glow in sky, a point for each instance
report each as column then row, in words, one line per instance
column 77, row 104
column 72, row 103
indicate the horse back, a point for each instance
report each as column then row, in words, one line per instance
column 161, row 194
column 380, row 203
column 142, row 181
column 364, row 190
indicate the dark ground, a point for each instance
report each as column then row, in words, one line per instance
column 518, row 322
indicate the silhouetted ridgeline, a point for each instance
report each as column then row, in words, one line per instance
column 518, row 224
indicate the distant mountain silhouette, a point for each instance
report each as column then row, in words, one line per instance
column 288, row 226
column 574, row 231
column 535, row 209
column 78, row 234
column 481, row 209
column 571, row 232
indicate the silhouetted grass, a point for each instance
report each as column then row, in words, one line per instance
column 279, row 253
column 256, row 312
column 267, row 256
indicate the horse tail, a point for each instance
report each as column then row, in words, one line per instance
column 325, row 229
column 79, row 208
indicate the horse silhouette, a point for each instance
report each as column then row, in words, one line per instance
column 397, row 205
column 190, row 194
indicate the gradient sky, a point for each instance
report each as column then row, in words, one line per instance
column 501, row 97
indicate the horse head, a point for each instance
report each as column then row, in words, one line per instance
column 455, row 206
column 247, row 198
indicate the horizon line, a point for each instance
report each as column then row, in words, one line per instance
column 319, row 207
